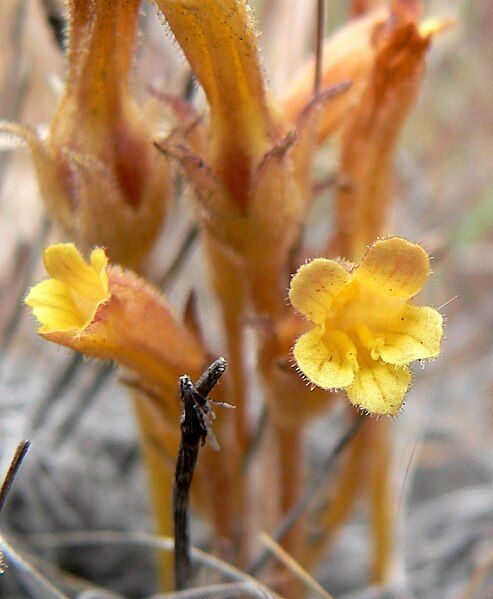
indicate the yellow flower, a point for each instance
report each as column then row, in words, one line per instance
column 106, row 312
column 366, row 331
column 69, row 300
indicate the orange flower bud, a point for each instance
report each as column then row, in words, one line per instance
column 99, row 174
column 366, row 163
column 347, row 56
column 219, row 43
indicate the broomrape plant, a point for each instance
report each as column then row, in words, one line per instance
column 106, row 175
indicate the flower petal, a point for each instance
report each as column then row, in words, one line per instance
column 99, row 261
column 326, row 359
column 413, row 334
column 54, row 307
column 379, row 388
column 64, row 262
column 314, row 286
column 394, row 266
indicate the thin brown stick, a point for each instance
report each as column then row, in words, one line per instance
column 319, row 42
column 15, row 464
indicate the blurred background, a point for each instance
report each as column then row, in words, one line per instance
column 84, row 472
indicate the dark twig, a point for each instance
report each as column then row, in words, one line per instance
column 195, row 427
column 15, row 464
column 319, row 43
column 313, row 488
column 210, row 377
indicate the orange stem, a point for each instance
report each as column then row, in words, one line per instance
column 160, row 479
column 227, row 281
column 381, row 502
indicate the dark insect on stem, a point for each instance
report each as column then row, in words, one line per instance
column 196, row 421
